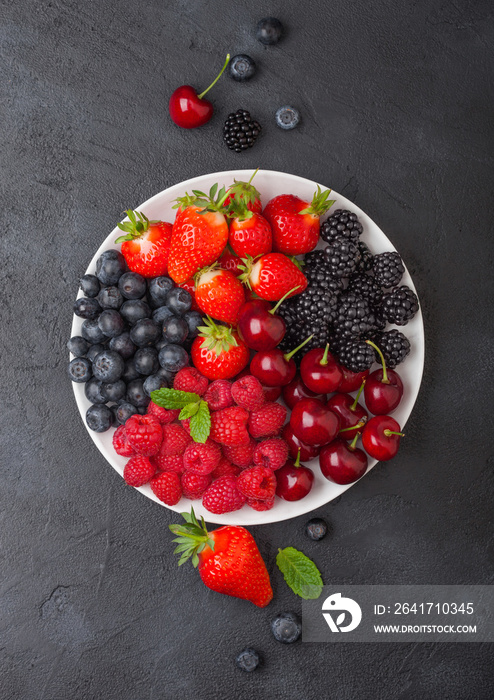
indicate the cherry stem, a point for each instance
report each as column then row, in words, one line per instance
column 388, row 432
column 385, row 379
column 216, row 79
column 297, row 461
column 324, row 359
column 253, row 175
column 360, row 424
column 353, row 443
column 274, row 309
column 289, row 355
column 354, row 404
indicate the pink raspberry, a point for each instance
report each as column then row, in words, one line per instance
column 222, row 496
column 170, row 463
column 166, row 486
column 218, row 395
column 259, row 505
column 194, row 485
column 190, row 379
column 164, row 415
column 120, row 444
column 229, row 426
column 144, row 434
column 175, row 440
column 257, row 482
column 247, row 392
column 138, row 471
column 267, row 421
column 271, row 453
column 202, row 458
column 225, row 468
column 242, row 455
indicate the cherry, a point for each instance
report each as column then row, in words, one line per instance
column 271, row 393
column 381, row 437
column 259, row 326
column 307, row 452
column 297, row 390
column 188, row 109
column 320, row 372
column 273, row 368
column 313, row 422
column 343, row 463
column 349, row 411
column 351, row 380
column 293, row 480
column 383, row 388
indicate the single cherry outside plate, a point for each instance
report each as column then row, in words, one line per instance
column 269, row 183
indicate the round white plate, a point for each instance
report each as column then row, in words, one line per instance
column 269, row 183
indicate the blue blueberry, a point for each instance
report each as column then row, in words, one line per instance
column 286, row 627
column 130, row 371
column 173, row 358
column 110, row 266
column 146, row 361
column 99, row 418
column 153, row 383
column 269, row 30
column 161, row 344
column 175, row 330
column 89, row 285
column 111, row 323
column 145, row 332
column 87, row 308
column 316, row 529
column 194, row 320
column 114, row 391
column 248, row 660
column 136, row 394
column 78, row 346
column 91, row 332
column 287, row 117
column 124, row 411
column 132, row 285
column 242, row 67
column 92, row 391
column 135, row 310
column 123, row 345
column 179, row 301
column 110, row 298
column 161, row 314
column 158, row 288
column 80, row 370
column 108, row 366
column 94, row 350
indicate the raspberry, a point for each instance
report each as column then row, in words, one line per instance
column 267, row 421
column 138, row 471
column 222, row 496
column 166, row 486
column 257, row 482
column 194, row 485
column 271, row 453
column 202, row 458
column 162, row 414
column 229, row 426
column 175, row 440
column 247, row 393
column 120, row 444
column 218, row 395
column 242, row 455
column 144, row 434
column 170, row 463
column 225, row 468
column 260, row 505
column 190, row 379
column 271, row 393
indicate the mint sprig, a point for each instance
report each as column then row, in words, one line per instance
column 300, row 573
column 200, row 423
column 191, row 406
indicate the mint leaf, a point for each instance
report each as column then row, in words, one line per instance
column 188, row 411
column 300, row 573
column 200, row 423
column 172, row 398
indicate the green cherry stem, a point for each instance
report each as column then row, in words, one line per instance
column 324, row 359
column 352, row 446
column 385, row 379
column 388, row 432
column 289, row 355
column 274, row 309
column 216, row 79
column 297, row 461
column 354, row 404
column 253, row 176
column 359, row 425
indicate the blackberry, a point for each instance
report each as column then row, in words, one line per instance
column 366, row 258
column 399, row 305
column 388, row 269
column 240, row 131
column 394, row 346
column 341, row 223
column 354, row 316
column 342, row 257
column 356, row 355
column 314, row 305
column 365, row 286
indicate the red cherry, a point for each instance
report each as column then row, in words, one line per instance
column 381, row 437
column 320, row 372
column 383, row 388
column 271, row 393
column 307, row 452
column 297, row 390
column 188, row 109
column 259, row 327
column 275, row 368
column 341, row 462
column 351, row 380
column 313, row 422
column 349, row 411
column 293, row 480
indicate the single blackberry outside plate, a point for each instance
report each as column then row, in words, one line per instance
column 400, row 305
column 356, row 355
column 240, row 130
column 388, row 269
column 341, row 223
column 354, row 316
column 394, row 346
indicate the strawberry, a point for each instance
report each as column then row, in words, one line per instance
column 231, row 262
column 274, row 276
column 146, row 245
column 250, row 234
column 227, row 558
column 219, row 352
column 219, row 294
column 189, row 286
column 295, row 222
column 246, row 193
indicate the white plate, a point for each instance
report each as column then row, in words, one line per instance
column 269, row 183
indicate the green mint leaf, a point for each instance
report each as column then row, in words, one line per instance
column 188, row 411
column 172, row 398
column 200, row 423
column 300, row 573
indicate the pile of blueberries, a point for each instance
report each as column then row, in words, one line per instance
column 135, row 337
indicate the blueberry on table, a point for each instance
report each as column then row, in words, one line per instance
column 80, row 370
column 110, row 298
column 158, row 288
column 110, row 266
column 111, row 323
column 146, row 361
column 287, row 117
column 145, row 332
column 286, row 627
column 269, row 31
column 90, row 286
column 248, row 660
column 87, row 308
column 136, row 394
column 153, row 383
column 194, row 320
column 179, row 301
column 99, row 418
column 316, row 529
column 175, row 330
column 92, row 391
column 91, row 332
column 124, row 411
column 114, row 391
column 173, row 358
column 134, row 310
column 242, row 67
column 132, row 285
column 123, row 345
column 108, row 366
column 78, row 346
column 95, row 350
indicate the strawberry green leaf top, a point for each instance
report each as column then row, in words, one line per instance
column 300, row 573
column 320, row 203
column 134, row 228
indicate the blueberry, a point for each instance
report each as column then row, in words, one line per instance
column 316, row 529
column 130, row 371
column 269, row 30
column 242, row 67
column 110, row 298
column 287, row 117
column 99, row 418
column 173, row 358
column 78, row 346
column 194, row 320
column 136, row 394
column 145, row 332
column 108, row 366
column 87, row 308
column 114, row 391
column 153, row 383
column 146, row 361
column 110, row 266
column 92, row 391
column 135, row 310
column 123, row 345
column 89, row 285
column 94, row 350
column 125, row 410
column 286, row 627
column 111, row 323
column 248, row 660
column 161, row 314
column 179, row 301
column 161, row 344
column 132, row 285
column 80, row 370
column 175, row 330
column 158, row 288
column 91, row 332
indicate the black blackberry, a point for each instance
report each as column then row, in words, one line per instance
column 354, row 316
column 356, row 355
column 388, row 269
column 400, row 305
column 240, row 131
column 341, row 223
column 379, row 320
column 365, row 286
column 394, row 346
column 314, row 305
column 317, row 270
column 342, row 257
column 366, row 258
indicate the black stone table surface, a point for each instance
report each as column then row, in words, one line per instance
column 396, row 102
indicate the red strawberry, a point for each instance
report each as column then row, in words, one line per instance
column 246, row 193
column 146, row 245
column 138, row 471
column 223, row 496
column 231, row 262
column 189, row 286
column 267, row 421
column 220, row 295
column 228, row 559
column 219, row 352
column 229, row 426
column 295, row 222
column 273, row 276
column 166, row 486
column 250, row 235
column 189, row 379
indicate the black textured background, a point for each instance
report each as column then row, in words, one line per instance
column 396, row 99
